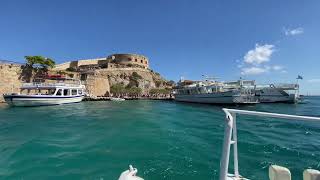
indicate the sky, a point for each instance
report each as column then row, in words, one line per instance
column 268, row 41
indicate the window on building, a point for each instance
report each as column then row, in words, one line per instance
column 129, row 59
column 141, row 61
column 136, row 60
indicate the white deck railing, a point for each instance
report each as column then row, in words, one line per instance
column 230, row 136
column 30, row 85
column 280, row 85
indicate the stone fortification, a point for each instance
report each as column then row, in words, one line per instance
column 10, row 75
column 129, row 59
column 96, row 84
column 107, row 62
column 77, row 63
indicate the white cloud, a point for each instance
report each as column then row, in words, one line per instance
column 253, row 70
column 260, row 54
column 314, row 80
column 256, row 61
column 293, row 32
column 277, row 68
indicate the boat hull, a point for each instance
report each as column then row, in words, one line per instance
column 227, row 98
column 117, row 99
column 273, row 95
column 36, row 100
column 275, row 99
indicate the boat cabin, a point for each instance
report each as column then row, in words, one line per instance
column 51, row 89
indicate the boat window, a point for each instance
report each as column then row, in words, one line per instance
column 74, row 92
column 80, row 91
column 66, row 92
column 59, row 92
column 51, row 91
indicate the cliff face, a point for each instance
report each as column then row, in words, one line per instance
column 106, row 78
column 145, row 78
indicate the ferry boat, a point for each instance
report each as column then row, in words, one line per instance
column 45, row 94
column 271, row 93
column 213, row 93
column 288, row 93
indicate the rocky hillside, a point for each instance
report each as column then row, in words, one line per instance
column 143, row 79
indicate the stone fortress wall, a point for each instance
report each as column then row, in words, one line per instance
column 82, row 62
column 129, row 59
column 10, row 75
column 122, row 59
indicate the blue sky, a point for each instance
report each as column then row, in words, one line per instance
column 269, row 41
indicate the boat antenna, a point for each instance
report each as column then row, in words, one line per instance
column 209, row 78
column 298, row 78
column 181, row 79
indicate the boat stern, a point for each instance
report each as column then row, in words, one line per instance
column 8, row 98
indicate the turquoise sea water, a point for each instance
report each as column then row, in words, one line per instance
column 163, row 139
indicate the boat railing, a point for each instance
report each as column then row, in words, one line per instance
column 279, row 85
column 35, row 84
column 287, row 86
column 230, row 137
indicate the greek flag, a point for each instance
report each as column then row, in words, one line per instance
column 299, row 77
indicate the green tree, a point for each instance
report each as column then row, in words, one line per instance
column 117, row 89
column 134, row 80
column 36, row 61
column 48, row 63
column 133, row 91
column 171, row 83
column 159, row 91
column 135, row 76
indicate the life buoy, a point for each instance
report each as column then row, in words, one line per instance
column 272, row 86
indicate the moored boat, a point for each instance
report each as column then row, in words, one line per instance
column 45, row 94
column 288, row 93
column 117, row 99
column 213, row 93
column 271, row 93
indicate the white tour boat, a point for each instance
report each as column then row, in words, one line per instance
column 271, row 93
column 288, row 93
column 45, row 94
column 213, row 93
